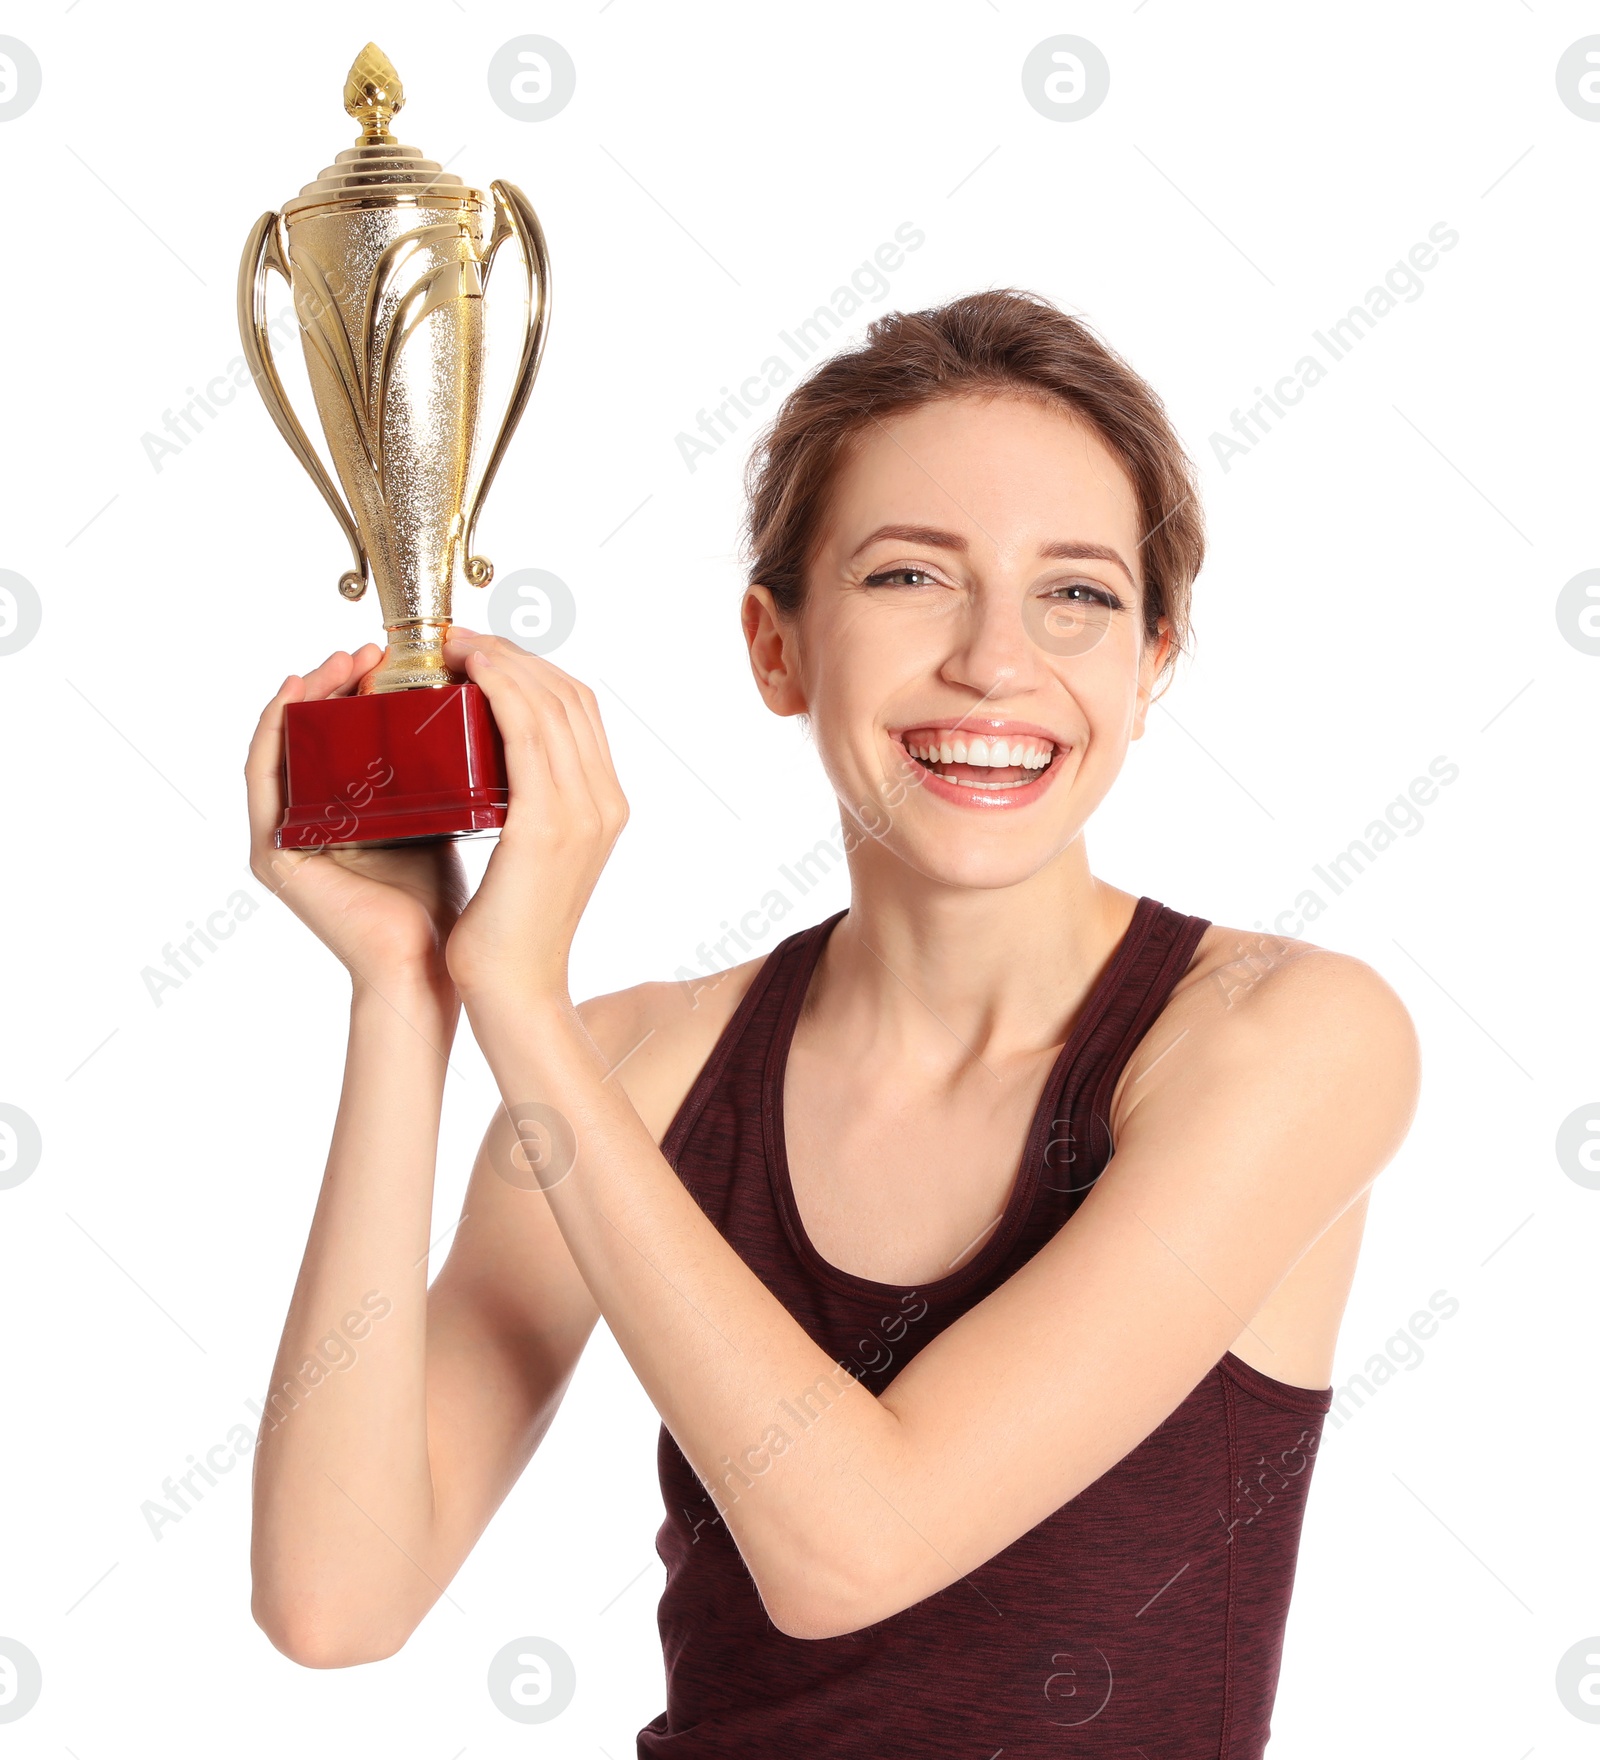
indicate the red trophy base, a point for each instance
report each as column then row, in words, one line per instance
column 397, row 767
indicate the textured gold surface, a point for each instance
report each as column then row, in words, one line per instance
column 387, row 259
column 373, row 93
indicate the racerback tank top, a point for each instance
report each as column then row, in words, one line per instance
column 1146, row 1615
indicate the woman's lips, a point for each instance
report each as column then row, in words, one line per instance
column 984, row 786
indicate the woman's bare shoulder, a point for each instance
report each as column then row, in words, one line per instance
column 1248, row 991
column 1253, row 966
column 657, row 1036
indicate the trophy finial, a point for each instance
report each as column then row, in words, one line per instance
column 373, row 94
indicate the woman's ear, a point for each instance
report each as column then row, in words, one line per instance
column 774, row 644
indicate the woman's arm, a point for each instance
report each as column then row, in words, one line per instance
column 1256, row 1135
column 398, row 1417
column 343, row 1491
column 1263, row 1124
column 373, row 1484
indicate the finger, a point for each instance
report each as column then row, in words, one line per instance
column 531, row 785
column 583, row 710
column 578, row 727
column 263, row 771
column 566, row 719
column 330, row 677
column 337, row 676
column 553, row 724
column 576, row 761
column 591, row 709
column 459, row 642
column 562, row 747
column 542, row 684
column 361, row 663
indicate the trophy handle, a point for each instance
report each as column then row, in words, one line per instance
column 263, row 251
column 513, row 213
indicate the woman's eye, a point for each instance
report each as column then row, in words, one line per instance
column 899, row 577
column 1098, row 595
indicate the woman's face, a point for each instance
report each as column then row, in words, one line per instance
column 970, row 652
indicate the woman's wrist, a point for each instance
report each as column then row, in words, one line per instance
column 520, row 1011
column 423, row 998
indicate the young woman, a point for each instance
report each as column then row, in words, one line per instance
column 982, row 1247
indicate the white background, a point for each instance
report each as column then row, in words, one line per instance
column 1380, row 591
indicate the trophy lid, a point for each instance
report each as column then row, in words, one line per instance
column 379, row 171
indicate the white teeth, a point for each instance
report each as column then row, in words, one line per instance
column 994, row 753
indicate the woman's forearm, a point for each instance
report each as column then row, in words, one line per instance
column 723, row 1361
column 342, row 1491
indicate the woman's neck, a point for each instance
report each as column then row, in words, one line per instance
column 933, row 972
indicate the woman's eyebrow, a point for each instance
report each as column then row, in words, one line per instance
column 1061, row 549
column 929, row 535
column 1070, row 549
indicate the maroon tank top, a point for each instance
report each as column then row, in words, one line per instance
column 1144, row 1616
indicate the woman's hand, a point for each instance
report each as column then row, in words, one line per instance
column 386, row 913
column 567, row 810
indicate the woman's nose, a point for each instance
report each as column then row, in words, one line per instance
column 995, row 652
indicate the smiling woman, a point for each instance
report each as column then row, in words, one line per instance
column 982, row 1247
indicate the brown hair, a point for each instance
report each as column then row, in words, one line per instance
column 999, row 342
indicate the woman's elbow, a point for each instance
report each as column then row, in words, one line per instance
column 322, row 1638
column 815, row 1604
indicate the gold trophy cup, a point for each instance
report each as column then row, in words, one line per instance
column 387, row 257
